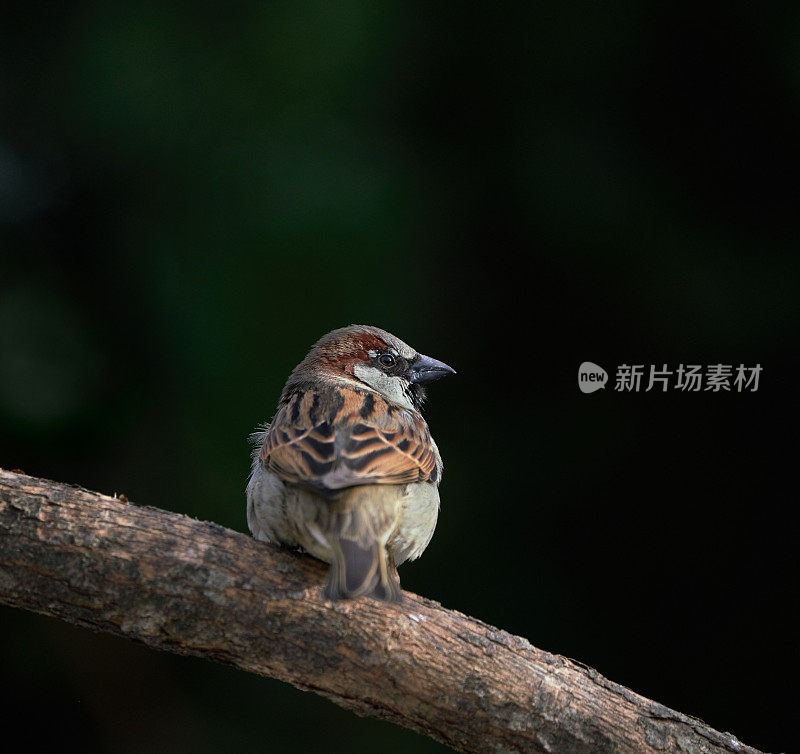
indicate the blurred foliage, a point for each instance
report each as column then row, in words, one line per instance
column 191, row 194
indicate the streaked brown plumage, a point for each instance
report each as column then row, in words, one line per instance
column 332, row 438
column 348, row 469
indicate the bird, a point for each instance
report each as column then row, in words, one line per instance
column 347, row 470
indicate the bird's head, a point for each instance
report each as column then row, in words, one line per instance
column 371, row 358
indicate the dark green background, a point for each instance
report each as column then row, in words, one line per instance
column 192, row 193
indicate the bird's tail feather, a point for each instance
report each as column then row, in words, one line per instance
column 360, row 565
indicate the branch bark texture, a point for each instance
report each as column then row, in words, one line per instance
column 196, row 588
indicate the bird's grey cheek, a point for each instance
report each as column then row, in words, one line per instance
column 391, row 387
column 370, row 375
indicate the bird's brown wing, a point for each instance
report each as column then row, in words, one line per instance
column 331, row 439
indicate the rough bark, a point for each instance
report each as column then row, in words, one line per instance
column 196, row 588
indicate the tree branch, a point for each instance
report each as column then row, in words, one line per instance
column 196, row 588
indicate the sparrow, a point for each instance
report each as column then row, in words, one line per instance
column 347, row 470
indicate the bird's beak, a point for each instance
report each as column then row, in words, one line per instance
column 426, row 369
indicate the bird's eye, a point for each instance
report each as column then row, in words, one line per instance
column 386, row 359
